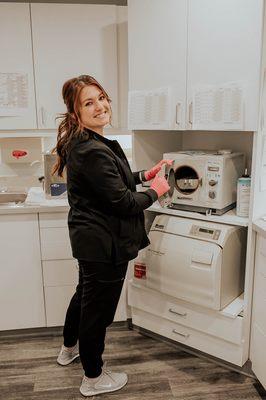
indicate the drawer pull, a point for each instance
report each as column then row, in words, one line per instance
column 190, row 111
column 185, row 335
column 177, row 313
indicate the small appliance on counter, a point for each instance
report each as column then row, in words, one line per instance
column 203, row 181
column 54, row 185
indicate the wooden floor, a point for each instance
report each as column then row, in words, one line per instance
column 156, row 370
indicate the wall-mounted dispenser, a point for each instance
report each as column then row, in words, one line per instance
column 20, row 150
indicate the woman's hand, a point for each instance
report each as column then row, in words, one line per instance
column 160, row 185
column 150, row 174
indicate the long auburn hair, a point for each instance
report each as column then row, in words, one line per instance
column 71, row 125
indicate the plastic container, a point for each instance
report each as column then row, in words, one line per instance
column 243, row 195
column 140, row 265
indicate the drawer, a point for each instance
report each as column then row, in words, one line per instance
column 198, row 340
column 60, row 272
column 55, row 244
column 53, row 220
column 196, row 317
column 57, row 299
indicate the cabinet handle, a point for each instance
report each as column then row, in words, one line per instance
column 177, row 111
column 185, row 335
column 190, row 110
column 43, row 116
column 263, row 101
column 262, row 121
column 177, row 313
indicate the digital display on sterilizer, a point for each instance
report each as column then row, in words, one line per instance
column 206, row 230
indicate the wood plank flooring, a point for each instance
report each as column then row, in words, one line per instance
column 156, row 371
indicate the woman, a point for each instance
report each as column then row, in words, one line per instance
column 106, row 225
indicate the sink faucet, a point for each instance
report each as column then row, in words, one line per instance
column 35, row 162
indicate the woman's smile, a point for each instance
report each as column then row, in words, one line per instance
column 102, row 115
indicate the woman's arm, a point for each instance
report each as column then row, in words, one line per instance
column 105, row 182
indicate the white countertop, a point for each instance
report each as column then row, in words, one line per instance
column 229, row 217
column 260, row 226
column 48, row 206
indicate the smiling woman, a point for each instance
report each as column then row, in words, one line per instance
column 106, row 225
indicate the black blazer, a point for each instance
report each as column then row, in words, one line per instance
column 106, row 220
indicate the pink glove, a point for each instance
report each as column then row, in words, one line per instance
column 150, row 174
column 160, row 185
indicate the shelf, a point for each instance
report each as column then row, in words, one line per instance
column 229, row 218
column 235, row 308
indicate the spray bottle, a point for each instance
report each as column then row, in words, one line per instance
column 243, row 195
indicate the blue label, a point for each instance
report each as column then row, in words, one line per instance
column 244, row 181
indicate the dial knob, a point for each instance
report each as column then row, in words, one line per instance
column 212, row 194
column 212, row 182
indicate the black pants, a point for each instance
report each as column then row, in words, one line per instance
column 91, row 310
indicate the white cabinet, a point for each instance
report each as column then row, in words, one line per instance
column 258, row 333
column 70, row 40
column 199, row 327
column 21, row 285
column 60, row 270
column 16, row 68
column 202, row 319
column 157, row 39
column 60, row 278
column 186, row 43
column 224, row 45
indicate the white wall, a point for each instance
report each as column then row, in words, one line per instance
column 17, row 175
column 236, row 141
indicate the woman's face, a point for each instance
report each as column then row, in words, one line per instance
column 95, row 110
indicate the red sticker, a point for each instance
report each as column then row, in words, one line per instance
column 19, row 153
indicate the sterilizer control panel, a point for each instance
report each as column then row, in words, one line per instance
column 205, row 232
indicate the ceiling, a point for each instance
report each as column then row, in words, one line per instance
column 117, row 2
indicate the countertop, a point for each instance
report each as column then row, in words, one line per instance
column 48, row 206
column 260, row 226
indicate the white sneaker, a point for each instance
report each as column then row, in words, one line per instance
column 66, row 356
column 107, row 382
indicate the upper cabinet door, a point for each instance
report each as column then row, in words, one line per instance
column 17, row 98
column 71, row 40
column 224, row 47
column 157, row 34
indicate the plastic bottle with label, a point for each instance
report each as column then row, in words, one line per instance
column 243, row 195
column 140, row 265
